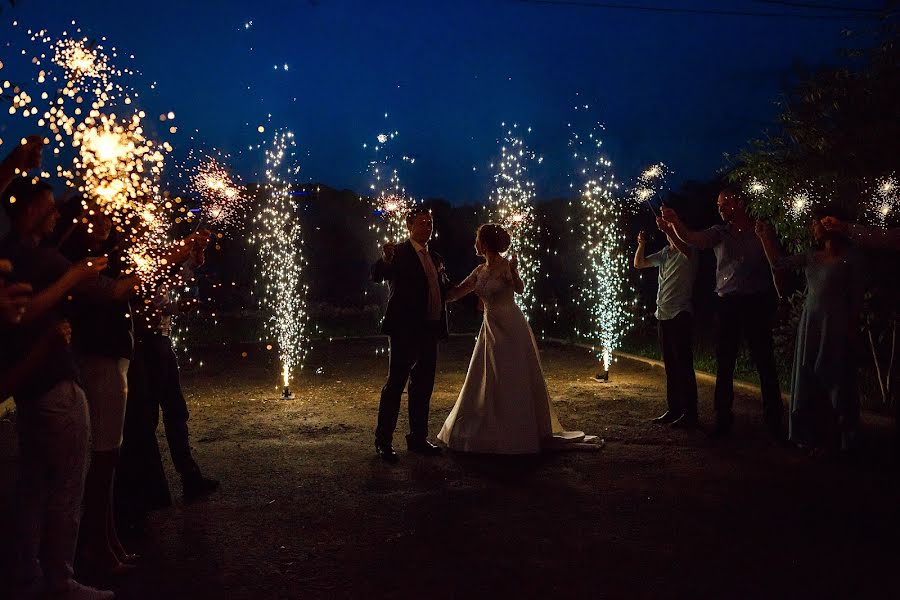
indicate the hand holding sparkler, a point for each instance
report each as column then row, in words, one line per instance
column 642, row 238
column 670, row 216
column 764, row 230
column 87, row 268
column 387, row 251
column 835, row 224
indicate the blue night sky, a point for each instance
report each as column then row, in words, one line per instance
column 677, row 88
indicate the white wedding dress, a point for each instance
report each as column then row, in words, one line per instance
column 504, row 406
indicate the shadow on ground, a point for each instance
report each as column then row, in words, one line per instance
column 307, row 511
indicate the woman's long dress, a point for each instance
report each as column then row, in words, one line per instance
column 504, row 406
column 824, row 372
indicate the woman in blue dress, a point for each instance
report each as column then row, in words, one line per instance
column 824, row 411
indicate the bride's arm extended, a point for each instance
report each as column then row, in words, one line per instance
column 462, row 289
column 517, row 282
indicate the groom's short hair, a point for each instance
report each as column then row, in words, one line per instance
column 415, row 212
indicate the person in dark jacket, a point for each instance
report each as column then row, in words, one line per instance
column 415, row 319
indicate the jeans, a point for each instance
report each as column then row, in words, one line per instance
column 53, row 446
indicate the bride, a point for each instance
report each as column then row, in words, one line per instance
column 503, row 407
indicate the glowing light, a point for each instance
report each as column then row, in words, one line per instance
column 799, row 204
column 278, row 237
column 650, row 183
column 223, row 199
column 599, row 225
column 389, row 198
column 885, row 200
column 513, row 200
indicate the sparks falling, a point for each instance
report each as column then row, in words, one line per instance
column 513, row 207
column 223, row 200
column 390, row 200
column 278, row 236
column 598, row 226
column 885, row 200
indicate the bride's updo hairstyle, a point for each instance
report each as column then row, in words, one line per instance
column 494, row 238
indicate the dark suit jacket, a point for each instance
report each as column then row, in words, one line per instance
column 408, row 300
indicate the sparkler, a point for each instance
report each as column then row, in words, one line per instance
column 885, row 200
column 513, row 199
column 389, row 197
column 223, row 200
column 603, row 243
column 798, row 204
column 278, row 236
column 650, row 183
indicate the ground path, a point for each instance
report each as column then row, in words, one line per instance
column 307, row 511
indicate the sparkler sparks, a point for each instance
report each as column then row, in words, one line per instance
column 603, row 244
column 223, row 199
column 389, row 197
column 650, row 183
column 513, row 198
column 885, row 200
column 799, row 204
column 278, row 236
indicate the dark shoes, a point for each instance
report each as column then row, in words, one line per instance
column 686, row 421
column 666, row 418
column 387, row 453
column 422, row 446
column 196, row 486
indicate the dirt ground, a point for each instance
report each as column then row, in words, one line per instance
column 306, row 510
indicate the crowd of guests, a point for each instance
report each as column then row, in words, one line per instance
column 750, row 277
column 88, row 359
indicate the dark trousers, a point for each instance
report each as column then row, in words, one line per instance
column 153, row 384
column 414, row 360
column 676, row 344
column 749, row 317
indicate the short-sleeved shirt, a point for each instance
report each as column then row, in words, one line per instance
column 741, row 264
column 676, row 281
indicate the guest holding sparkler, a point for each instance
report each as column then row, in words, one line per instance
column 103, row 337
column 872, row 237
column 824, row 411
column 51, row 408
column 154, row 384
column 677, row 264
column 746, row 305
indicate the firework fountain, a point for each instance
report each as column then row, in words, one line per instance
column 278, row 236
column 603, row 243
column 513, row 199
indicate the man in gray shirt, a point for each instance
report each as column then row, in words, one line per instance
column 746, row 305
column 677, row 264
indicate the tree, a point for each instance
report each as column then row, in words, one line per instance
column 838, row 134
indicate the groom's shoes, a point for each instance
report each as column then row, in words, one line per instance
column 422, row 446
column 387, row 453
column 666, row 418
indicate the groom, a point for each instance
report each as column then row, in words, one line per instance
column 415, row 319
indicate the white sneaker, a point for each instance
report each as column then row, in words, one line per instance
column 78, row 591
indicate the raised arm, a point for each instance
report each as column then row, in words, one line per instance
column 871, row 237
column 774, row 255
column 640, row 261
column 78, row 273
column 383, row 269
column 464, row 287
column 697, row 239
